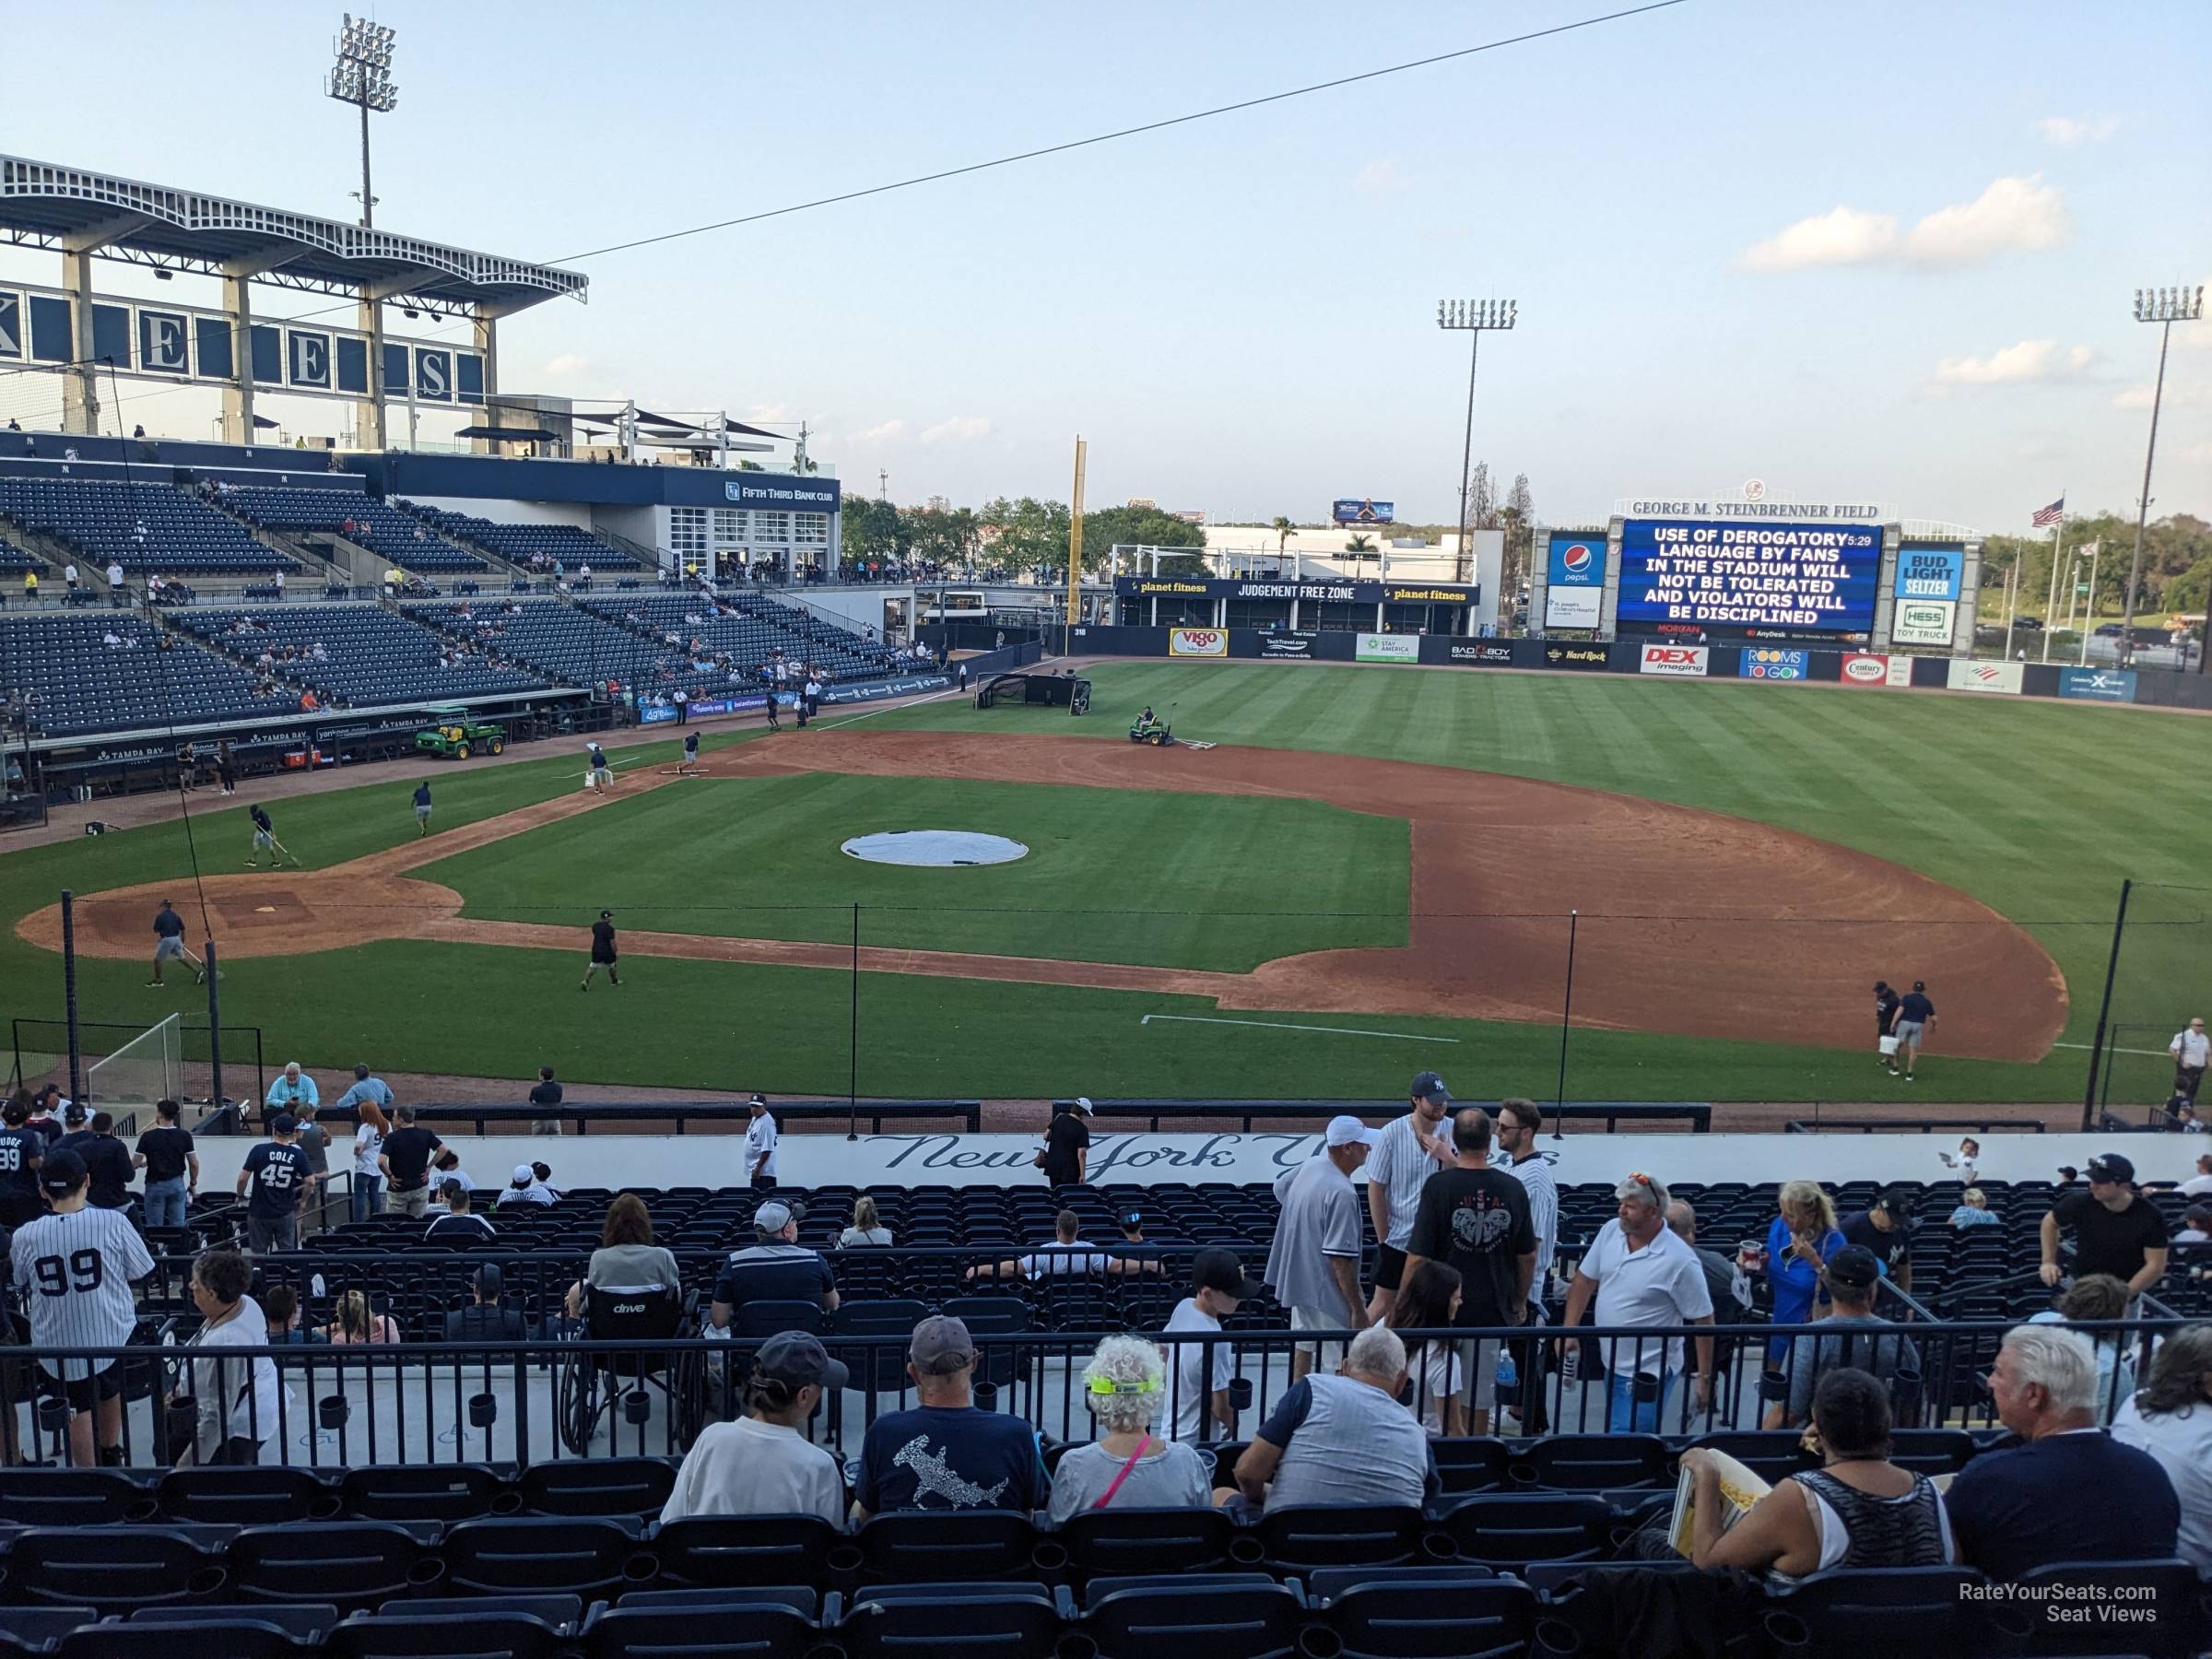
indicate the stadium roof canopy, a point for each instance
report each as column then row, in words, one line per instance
column 74, row 209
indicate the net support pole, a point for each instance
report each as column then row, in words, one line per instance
column 2105, row 1009
column 852, row 1041
column 215, row 1025
column 77, row 1053
column 1558, row 1122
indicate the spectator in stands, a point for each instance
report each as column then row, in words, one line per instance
column 776, row 1268
column 293, row 1091
column 117, row 592
column 868, row 1226
column 1885, row 1228
column 544, row 1172
column 237, row 1395
column 764, row 1464
column 2191, row 1052
column 627, row 1258
column 355, row 1324
column 365, row 1195
column 945, row 1454
column 30, row 586
column 405, row 1163
column 2196, row 1226
column 1965, row 1160
column 546, row 1092
column 1430, row 1300
column 523, row 1187
column 1720, row 1272
column 2093, row 1299
column 759, row 1143
column 280, row 1309
column 1799, row 1242
column 108, row 1160
column 1857, row 1510
column 1066, row 1256
column 274, row 1180
column 1204, row 1369
column 314, row 1146
column 1476, row 1219
column 2060, row 1491
column 173, row 1168
column 1642, row 1275
column 1124, row 1385
column 1339, row 1440
column 2199, row 1185
column 1065, row 1156
column 2116, row 1231
column 1314, row 1263
column 1406, row 1152
column 369, row 1097
column 488, row 1318
column 1850, row 1339
column 1975, row 1211
column 2171, row 1419
column 460, row 1224
column 69, row 576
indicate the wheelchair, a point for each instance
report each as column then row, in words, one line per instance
column 589, row 1385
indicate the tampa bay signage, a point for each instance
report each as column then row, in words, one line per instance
column 1307, row 592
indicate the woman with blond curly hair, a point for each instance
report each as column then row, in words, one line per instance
column 1798, row 1245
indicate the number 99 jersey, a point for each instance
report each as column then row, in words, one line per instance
column 73, row 1272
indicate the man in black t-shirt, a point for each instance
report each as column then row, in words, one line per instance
column 1067, row 1144
column 1914, row 1015
column 273, row 1180
column 2116, row 1229
column 1885, row 1230
column 173, row 1168
column 406, row 1163
column 108, row 1163
column 1885, row 1016
column 547, row 1093
column 22, row 1149
column 603, row 951
column 1476, row 1219
column 777, row 1268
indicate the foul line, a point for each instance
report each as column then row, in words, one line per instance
column 886, row 708
column 1272, row 1025
column 2146, row 1053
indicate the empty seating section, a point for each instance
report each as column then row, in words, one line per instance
column 575, row 647
column 750, row 629
column 568, row 545
column 371, row 657
column 58, row 669
column 146, row 527
column 14, row 560
column 391, row 535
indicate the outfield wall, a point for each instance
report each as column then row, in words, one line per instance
column 916, row 1159
column 1664, row 658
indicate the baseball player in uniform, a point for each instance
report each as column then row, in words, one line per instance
column 603, row 775
column 73, row 1270
column 422, row 807
column 275, row 1176
column 264, row 835
column 603, row 951
column 21, row 1150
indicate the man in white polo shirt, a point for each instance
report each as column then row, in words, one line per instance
column 761, row 1145
column 1314, row 1263
column 1405, row 1155
column 2190, row 1050
column 1643, row 1275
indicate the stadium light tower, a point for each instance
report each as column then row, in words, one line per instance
column 1473, row 317
column 2165, row 307
column 362, row 76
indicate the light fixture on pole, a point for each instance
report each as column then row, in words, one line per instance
column 362, row 77
column 2165, row 307
column 1472, row 317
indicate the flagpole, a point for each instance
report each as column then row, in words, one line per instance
column 2012, row 600
column 2058, row 546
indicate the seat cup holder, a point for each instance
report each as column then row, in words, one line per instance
column 1048, row 1556
column 637, row 1407
column 206, row 1583
column 53, row 1415
column 507, row 1503
column 1075, row 1645
column 825, row 1650
column 332, row 1411
column 987, row 1397
column 483, row 1410
column 1246, row 1551
column 1439, row 1547
column 1520, row 1475
column 843, row 1559
column 326, row 1508
column 640, row 1569
column 425, row 1571
column 1774, row 1386
column 1240, row 1393
column 141, row 1513
column 1318, row 1641
column 1786, row 1631
column 1556, row 1637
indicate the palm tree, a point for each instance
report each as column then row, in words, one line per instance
column 1282, row 528
column 1360, row 546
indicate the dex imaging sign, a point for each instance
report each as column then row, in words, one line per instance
column 1689, row 660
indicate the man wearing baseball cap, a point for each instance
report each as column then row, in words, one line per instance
column 1884, row 1228
column 1200, row 1371
column 945, row 1454
column 1853, row 1335
column 277, row 1172
column 2116, row 1231
column 1407, row 1151
column 761, row 1144
column 764, row 1464
column 1314, row 1264
column 777, row 1267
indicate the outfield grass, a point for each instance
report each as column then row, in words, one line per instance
column 2038, row 808
column 1112, row 876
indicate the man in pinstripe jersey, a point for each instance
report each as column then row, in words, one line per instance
column 72, row 1269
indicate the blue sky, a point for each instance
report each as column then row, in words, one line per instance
column 1858, row 250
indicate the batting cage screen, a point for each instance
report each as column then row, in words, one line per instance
column 1061, row 690
column 41, row 1054
column 148, row 1067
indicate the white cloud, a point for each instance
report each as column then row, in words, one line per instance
column 2077, row 129
column 1840, row 235
column 958, row 430
column 771, row 412
column 1382, row 178
column 2179, row 394
column 2011, row 216
column 888, row 431
column 567, row 366
column 2026, row 360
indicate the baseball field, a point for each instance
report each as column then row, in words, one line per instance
column 1372, row 872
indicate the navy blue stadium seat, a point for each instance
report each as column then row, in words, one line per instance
column 930, row 1546
column 116, row 1569
column 1013, row 1620
column 356, row 1564
column 1224, row 1617
column 596, row 1485
column 2164, row 1596
column 715, row 1625
column 1437, row 1617
column 31, row 1629
column 1300, row 1536
column 1851, row 1614
column 247, row 1495
column 509, row 1554
column 1591, row 1463
column 1471, row 1464
column 71, row 1498
column 1512, row 1528
column 452, row 1633
column 723, row 1552
column 1117, row 1540
column 239, row 1635
column 419, row 1492
column 304, row 1622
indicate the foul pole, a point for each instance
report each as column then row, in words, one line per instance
column 1075, row 553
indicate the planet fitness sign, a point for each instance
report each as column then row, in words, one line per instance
column 1574, row 582
column 1758, row 578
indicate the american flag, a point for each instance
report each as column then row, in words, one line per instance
column 2044, row 517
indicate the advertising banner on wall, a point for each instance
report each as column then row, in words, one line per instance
column 1575, row 581
column 1363, row 509
column 1868, row 669
column 1387, row 648
column 1287, row 645
column 1783, row 578
column 2097, row 685
column 1924, row 621
column 1930, row 573
column 1574, row 656
column 1685, row 660
column 1482, row 654
column 1968, row 676
column 1773, row 663
column 1198, row 641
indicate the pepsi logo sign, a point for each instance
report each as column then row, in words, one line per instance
column 1577, row 559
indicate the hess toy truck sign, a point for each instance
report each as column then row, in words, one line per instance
column 1687, row 660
